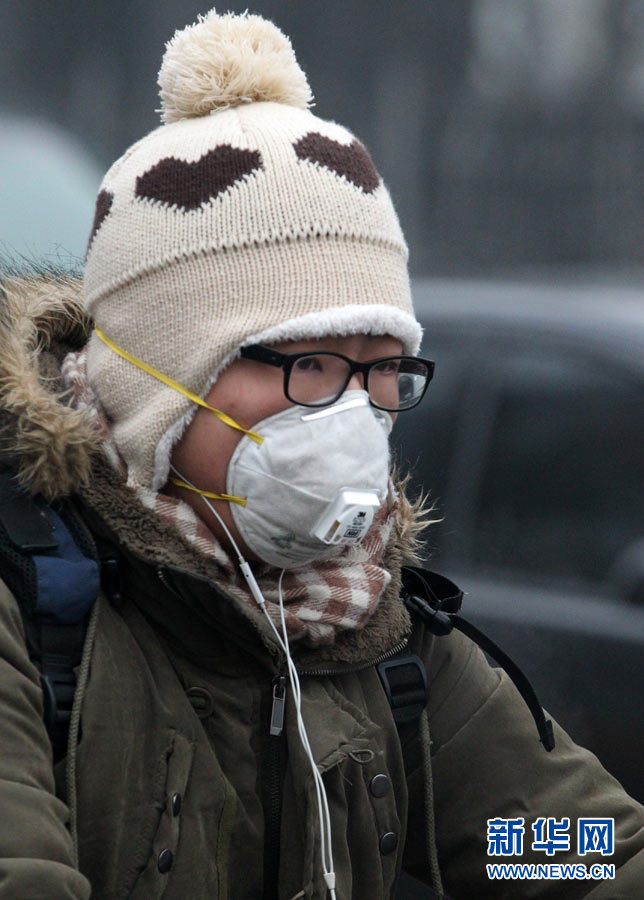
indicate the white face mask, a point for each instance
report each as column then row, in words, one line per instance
column 314, row 482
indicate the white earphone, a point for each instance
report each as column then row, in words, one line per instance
column 328, row 872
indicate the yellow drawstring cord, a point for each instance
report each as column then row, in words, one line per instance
column 253, row 435
column 229, row 497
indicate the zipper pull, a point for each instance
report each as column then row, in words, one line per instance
column 279, row 704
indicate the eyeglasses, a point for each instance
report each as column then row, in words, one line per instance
column 394, row 383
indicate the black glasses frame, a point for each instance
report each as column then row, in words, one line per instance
column 286, row 361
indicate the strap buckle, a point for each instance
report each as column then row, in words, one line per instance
column 404, row 679
column 58, row 698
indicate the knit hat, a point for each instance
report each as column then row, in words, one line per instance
column 242, row 219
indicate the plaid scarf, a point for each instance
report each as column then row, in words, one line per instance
column 320, row 600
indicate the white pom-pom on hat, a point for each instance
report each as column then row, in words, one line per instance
column 224, row 61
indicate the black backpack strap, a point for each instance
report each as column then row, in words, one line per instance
column 57, row 650
column 544, row 726
column 403, row 676
column 404, row 679
column 436, row 601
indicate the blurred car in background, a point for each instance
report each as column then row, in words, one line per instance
column 48, row 187
column 530, row 442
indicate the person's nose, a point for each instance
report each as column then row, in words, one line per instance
column 356, row 382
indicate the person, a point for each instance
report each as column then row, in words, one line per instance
column 210, row 409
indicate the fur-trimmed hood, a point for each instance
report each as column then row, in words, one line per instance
column 50, row 444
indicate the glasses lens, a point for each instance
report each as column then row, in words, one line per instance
column 397, row 383
column 317, row 379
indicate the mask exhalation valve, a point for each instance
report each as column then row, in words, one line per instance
column 348, row 516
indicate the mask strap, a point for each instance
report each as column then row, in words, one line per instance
column 253, row 435
column 191, row 487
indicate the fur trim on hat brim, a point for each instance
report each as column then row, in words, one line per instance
column 345, row 321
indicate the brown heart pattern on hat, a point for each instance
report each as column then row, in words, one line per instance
column 188, row 185
column 103, row 206
column 349, row 160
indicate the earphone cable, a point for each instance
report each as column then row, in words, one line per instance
column 324, row 814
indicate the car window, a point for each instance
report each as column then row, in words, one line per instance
column 562, row 485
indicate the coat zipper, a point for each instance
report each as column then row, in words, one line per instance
column 279, row 704
column 273, row 792
column 164, row 582
column 372, row 662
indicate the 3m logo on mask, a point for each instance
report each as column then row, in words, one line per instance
column 348, row 517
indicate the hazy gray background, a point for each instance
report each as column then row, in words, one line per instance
column 510, row 132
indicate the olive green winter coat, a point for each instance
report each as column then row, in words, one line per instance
column 173, row 786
